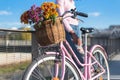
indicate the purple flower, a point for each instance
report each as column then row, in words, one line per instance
column 34, row 13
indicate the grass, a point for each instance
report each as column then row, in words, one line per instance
column 11, row 68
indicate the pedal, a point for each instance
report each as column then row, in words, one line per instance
column 97, row 71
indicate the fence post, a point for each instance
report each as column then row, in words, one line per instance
column 35, row 51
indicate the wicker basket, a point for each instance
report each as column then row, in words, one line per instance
column 50, row 33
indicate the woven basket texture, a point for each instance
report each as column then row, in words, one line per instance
column 49, row 32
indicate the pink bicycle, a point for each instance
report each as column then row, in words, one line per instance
column 57, row 63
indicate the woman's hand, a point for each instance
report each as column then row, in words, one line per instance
column 76, row 39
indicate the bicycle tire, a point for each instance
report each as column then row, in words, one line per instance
column 40, row 61
column 99, row 54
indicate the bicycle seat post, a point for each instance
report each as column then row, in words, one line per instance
column 85, row 32
column 85, row 42
column 84, row 39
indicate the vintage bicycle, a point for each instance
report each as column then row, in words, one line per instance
column 56, row 61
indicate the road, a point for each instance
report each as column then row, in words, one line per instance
column 114, row 65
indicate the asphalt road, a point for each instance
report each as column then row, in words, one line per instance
column 114, row 65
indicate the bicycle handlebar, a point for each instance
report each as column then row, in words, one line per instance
column 75, row 13
column 78, row 13
column 82, row 14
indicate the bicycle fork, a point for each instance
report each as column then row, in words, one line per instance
column 58, row 60
column 56, row 70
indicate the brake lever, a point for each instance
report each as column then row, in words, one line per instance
column 66, row 13
column 80, row 20
column 73, row 10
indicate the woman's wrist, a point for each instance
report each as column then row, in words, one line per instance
column 74, row 36
column 72, row 32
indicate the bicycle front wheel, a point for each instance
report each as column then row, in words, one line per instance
column 98, row 53
column 43, row 69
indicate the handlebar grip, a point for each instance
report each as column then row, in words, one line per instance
column 82, row 14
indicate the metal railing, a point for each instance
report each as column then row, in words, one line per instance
column 111, row 45
column 15, row 53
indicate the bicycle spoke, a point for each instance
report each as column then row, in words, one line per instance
column 34, row 75
column 37, row 74
column 48, row 68
column 68, row 74
column 37, row 70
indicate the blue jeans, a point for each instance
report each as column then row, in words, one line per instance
column 68, row 38
column 76, row 29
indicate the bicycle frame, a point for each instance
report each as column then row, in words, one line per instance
column 88, row 56
column 87, row 65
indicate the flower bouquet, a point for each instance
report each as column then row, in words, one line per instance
column 48, row 26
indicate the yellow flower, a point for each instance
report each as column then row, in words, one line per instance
column 51, row 3
column 48, row 10
column 57, row 6
column 56, row 14
column 46, row 16
column 44, row 6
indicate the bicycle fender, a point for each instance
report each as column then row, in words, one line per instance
column 98, row 46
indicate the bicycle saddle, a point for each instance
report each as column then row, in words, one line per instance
column 86, row 30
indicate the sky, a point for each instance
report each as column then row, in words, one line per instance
column 101, row 13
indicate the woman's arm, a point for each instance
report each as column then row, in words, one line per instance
column 61, row 8
column 61, row 11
